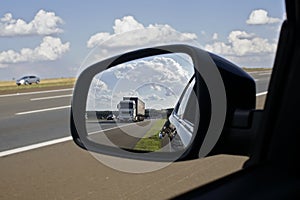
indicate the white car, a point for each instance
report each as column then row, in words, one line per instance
column 28, row 80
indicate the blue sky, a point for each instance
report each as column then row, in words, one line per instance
column 217, row 26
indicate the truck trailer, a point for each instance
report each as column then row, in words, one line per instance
column 131, row 109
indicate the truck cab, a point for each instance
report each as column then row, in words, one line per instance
column 131, row 109
column 127, row 111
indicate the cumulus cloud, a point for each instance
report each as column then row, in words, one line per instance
column 156, row 70
column 44, row 23
column 152, row 33
column 260, row 17
column 156, row 79
column 100, row 85
column 50, row 49
column 153, row 97
column 97, row 39
column 241, row 43
column 99, row 94
column 215, row 36
column 127, row 23
column 156, row 87
column 245, row 49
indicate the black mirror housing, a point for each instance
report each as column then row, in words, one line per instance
column 221, row 88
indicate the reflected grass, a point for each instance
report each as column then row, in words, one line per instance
column 151, row 141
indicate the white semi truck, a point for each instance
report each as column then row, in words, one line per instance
column 131, row 109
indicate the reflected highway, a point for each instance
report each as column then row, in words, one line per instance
column 124, row 135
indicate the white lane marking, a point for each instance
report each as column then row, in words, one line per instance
column 39, row 92
column 108, row 129
column 34, row 146
column 52, row 97
column 261, row 93
column 43, row 110
column 47, row 143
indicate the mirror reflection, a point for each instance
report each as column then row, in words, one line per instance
column 141, row 105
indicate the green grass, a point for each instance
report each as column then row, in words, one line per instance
column 256, row 69
column 151, row 141
column 10, row 86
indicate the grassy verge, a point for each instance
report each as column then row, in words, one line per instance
column 11, row 87
column 151, row 141
column 256, row 69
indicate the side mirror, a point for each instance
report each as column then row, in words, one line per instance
column 168, row 103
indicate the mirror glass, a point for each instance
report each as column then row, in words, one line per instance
column 144, row 105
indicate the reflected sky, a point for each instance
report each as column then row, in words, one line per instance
column 157, row 80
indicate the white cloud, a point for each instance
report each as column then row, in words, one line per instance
column 153, row 33
column 153, row 97
column 99, row 94
column 50, row 49
column 241, row 43
column 100, row 85
column 260, row 17
column 127, row 23
column 156, row 79
column 157, row 70
column 97, row 39
column 215, row 36
column 155, row 87
column 245, row 49
column 44, row 23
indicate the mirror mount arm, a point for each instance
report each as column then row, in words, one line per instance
column 241, row 135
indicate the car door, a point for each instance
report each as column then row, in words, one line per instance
column 272, row 171
column 182, row 119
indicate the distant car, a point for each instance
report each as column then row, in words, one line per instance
column 111, row 117
column 28, row 80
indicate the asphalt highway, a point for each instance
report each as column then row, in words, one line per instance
column 39, row 160
column 262, row 79
column 32, row 118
